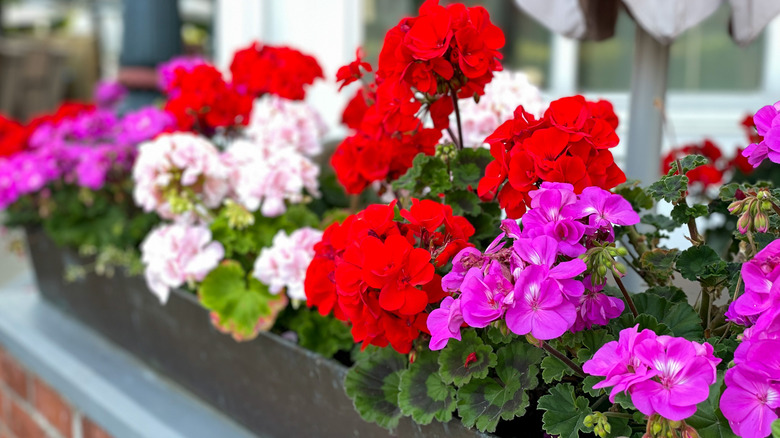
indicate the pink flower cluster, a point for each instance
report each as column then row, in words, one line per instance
column 176, row 254
column 283, row 265
column 503, row 95
column 276, row 122
column 762, row 290
column 176, row 164
column 265, row 177
column 751, row 401
column 663, row 375
column 767, row 121
column 533, row 284
column 87, row 149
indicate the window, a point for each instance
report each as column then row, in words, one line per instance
column 704, row 58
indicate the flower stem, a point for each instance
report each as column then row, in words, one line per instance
column 457, row 119
column 562, row 357
column 626, row 296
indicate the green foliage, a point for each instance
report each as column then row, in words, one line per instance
column 483, row 402
column 776, row 429
column 682, row 213
column 679, row 318
column 468, row 167
column 701, row 263
column 426, row 171
column 453, row 359
column 243, row 305
column 634, row 194
column 564, row 411
column 659, row 262
column 323, row 335
column 708, row 419
column 373, row 385
column 669, row 188
column 660, row 222
column 245, row 244
column 553, row 369
column 423, row 394
column 463, row 203
column 589, row 382
column 671, row 293
column 496, row 336
column 689, row 162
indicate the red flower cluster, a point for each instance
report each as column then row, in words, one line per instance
column 379, row 274
column 201, row 100
column 569, row 144
column 261, row 69
column 443, row 53
column 13, row 137
column 388, row 136
column 453, row 48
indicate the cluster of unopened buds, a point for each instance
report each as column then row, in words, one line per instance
column 659, row 427
column 752, row 208
column 601, row 259
column 599, row 423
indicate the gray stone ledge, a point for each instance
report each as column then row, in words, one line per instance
column 123, row 395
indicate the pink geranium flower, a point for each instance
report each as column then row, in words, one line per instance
column 482, row 297
column 539, row 306
column 750, row 402
column 444, row 323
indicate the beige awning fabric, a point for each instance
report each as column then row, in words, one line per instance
column 665, row 20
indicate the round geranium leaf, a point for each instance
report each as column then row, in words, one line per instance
column 373, row 385
column 467, row 359
column 423, row 394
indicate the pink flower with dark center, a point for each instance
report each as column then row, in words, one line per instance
column 751, row 402
column 482, row 297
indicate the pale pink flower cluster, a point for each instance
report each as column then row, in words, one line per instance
column 176, row 254
column 179, row 162
column 264, row 176
column 503, row 94
column 285, row 123
column 284, row 264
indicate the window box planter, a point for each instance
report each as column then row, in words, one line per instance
column 270, row 385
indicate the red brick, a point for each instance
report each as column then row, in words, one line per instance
column 92, row 430
column 56, row 410
column 13, row 375
column 21, row 423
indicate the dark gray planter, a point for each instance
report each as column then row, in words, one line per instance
column 270, row 385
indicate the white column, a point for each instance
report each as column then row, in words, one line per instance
column 563, row 66
column 236, row 24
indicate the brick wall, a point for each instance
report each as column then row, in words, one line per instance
column 29, row 408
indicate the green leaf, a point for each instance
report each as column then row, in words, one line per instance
column 708, row 419
column 671, row 293
column 373, row 385
column 669, row 188
column 463, row 202
column 681, row 213
column 689, row 162
column 776, row 429
column 483, row 402
column 495, row 335
column 242, row 305
column 728, row 192
column 321, row 334
column 645, row 321
column 620, row 427
column 589, row 382
column 680, row 318
column 592, row 341
column 426, row 171
column 423, row 394
column 553, row 369
column 660, row 222
column 564, row 412
column 634, row 194
column 659, row 262
column 454, row 356
column 700, row 262
column 468, row 166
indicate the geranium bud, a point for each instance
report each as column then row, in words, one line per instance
column 690, row 432
column 753, row 206
column 621, row 268
column 602, row 270
column 412, row 356
column 470, row 359
column 622, row 251
column 739, row 194
column 761, row 222
column 766, row 205
column 743, row 224
column 533, row 341
column 736, row 207
column 588, row 421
